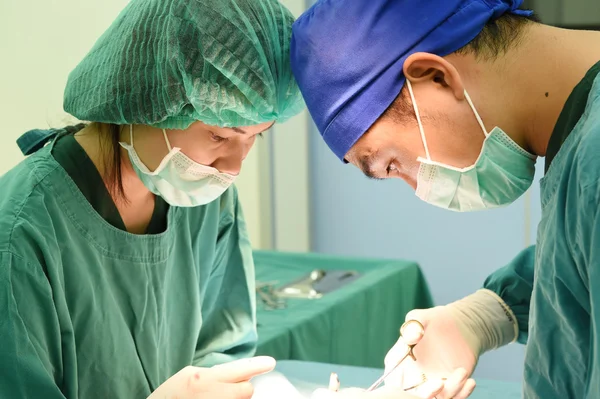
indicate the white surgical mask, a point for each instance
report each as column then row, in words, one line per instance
column 502, row 173
column 179, row 180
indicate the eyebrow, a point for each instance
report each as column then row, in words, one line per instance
column 242, row 131
column 238, row 130
column 366, row 165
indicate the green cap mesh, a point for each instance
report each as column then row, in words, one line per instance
column 169, row 63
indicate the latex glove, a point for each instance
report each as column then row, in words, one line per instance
column 454, row 338
column 381, row 393
column 226, row 381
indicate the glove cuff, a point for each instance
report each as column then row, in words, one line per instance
column 485, row 321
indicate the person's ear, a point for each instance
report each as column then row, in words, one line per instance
column 426, row 67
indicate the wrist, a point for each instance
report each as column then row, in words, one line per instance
column 485, row 321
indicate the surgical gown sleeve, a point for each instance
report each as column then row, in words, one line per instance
column 587, row 254
column 30, row 350
column 229, row 306
column 514, row 284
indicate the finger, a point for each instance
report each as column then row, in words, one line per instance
column 418, row 315
column 244, row 369
column 395, row 379
column 454, row 384
column 334, row 382
column 414, row 334
column 406, row 375
column 466, row 390
column 398, row 351
column 242, row 390
column 412, row 331
column 429, row 389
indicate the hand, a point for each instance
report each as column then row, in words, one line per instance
column 226, row 381
column 442, row 352
column 381, row 393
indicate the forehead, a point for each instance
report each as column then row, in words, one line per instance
column 362, row 155
column 253, row 129
column 366, row 157
column 369, row 145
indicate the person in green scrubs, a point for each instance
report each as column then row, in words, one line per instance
column 459, row 98
column 125, row 265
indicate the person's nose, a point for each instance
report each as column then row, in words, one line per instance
column 231, row 162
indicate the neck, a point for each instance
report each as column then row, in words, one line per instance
column 136, row 203
column 536, row 79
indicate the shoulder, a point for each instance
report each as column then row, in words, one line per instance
column 586, row 157
column 25, row 203
column 23, row 277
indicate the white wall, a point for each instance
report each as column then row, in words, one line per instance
column 290, row 175
column 42, row 41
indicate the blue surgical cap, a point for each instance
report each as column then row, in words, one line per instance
column 348, row 55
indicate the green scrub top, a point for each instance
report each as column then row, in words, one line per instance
column 554, row 287
column 88, row 310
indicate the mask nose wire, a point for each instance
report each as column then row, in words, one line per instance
column 416, row 108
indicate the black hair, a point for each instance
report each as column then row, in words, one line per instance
column 109, row 138
column 497, row 37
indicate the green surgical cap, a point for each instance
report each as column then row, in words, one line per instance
column 169, row 63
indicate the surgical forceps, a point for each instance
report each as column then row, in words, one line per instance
column 409, row 353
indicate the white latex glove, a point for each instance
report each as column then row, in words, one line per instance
column 381, row 393
column 455, row 336
column 226, row 381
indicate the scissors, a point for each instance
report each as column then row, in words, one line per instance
column 410, row 354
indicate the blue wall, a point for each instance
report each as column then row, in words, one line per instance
column 352, row 215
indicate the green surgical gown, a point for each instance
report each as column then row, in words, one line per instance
column 88, row 310
column 554, row 287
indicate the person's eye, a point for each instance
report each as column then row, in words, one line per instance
column 217, row 138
